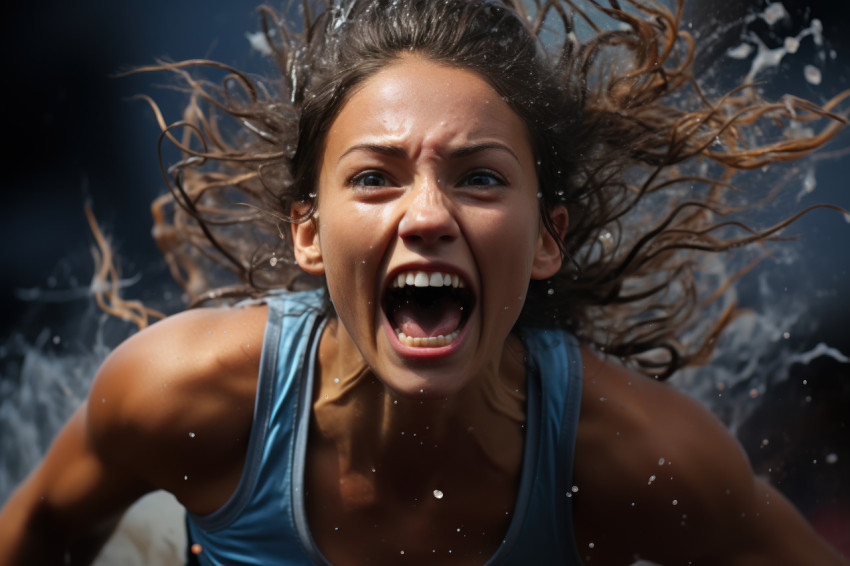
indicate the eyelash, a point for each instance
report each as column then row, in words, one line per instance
column 499, row 180
column 357, row 180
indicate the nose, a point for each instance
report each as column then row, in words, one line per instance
column 428, row 218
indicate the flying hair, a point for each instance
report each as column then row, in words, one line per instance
column 624, row 137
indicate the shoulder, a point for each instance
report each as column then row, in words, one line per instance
column 174, row 403
column 657, row 472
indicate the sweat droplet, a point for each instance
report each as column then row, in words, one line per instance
column 438, row 494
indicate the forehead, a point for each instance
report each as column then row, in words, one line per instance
column 426, row 105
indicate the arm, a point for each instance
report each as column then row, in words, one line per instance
column 661, row 479
column 170, row 409
column 69, row 505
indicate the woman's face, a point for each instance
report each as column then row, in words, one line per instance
column 428, row 227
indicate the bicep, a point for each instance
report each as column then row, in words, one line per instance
column 80, row 482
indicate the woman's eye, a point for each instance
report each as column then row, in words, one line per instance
column 483, row 179
column 369, row 179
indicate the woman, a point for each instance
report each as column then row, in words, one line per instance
column 461, row 203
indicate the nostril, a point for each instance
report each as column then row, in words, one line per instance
column 428, row 225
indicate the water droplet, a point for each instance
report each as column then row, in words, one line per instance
column 831, row 458
column 191, row 435
column 661, row 461
column 651, row 479
column 606, row 239
column 591, row 545
column 812, row 74
column 675, row 502
column 574, row 489
column 438, row 494
column 273, row 261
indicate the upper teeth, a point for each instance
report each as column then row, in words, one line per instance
column 425, row 279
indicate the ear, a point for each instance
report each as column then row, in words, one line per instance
column 306, row 246
column 547, row 256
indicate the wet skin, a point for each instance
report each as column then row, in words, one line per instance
column 426, row 168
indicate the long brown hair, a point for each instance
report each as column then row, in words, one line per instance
column 623, row 136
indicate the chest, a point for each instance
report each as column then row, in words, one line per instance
column 364, row 518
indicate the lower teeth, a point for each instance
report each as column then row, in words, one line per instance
column 427, row 341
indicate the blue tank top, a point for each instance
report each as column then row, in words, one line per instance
column 265, row 521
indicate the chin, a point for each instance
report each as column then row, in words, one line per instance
column 420, row 386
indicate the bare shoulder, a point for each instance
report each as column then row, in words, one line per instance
column 175, row 402
column 661, row 478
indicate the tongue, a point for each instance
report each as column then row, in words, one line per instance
column 419, row 322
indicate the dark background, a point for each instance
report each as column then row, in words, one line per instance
column 72, row 132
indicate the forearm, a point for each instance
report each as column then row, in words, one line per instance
column 26, row 535
column 29, row 536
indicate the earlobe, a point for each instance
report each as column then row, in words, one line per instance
column 306, row 246
column 547, row 256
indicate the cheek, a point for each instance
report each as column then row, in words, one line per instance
column 507, row 248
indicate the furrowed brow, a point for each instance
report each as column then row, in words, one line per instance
column 389, row 150
column 477, row 148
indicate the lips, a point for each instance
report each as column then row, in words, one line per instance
column 427, row 309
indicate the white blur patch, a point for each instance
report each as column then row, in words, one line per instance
column 741, row 51
column 818, row 351
column 810, row 183
column 151, row 533
column 259, row 42
column 774, row 12
column 812, row 74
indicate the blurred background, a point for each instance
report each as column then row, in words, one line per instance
column 73, row 133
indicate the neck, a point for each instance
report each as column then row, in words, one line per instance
column 373, row 429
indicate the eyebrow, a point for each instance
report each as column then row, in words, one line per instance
column 398, row 151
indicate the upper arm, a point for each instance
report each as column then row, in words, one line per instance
column 170, row 409
column 665, row 481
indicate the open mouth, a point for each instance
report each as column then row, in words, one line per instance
column 427, row 309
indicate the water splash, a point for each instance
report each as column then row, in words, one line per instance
column 766, row 57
